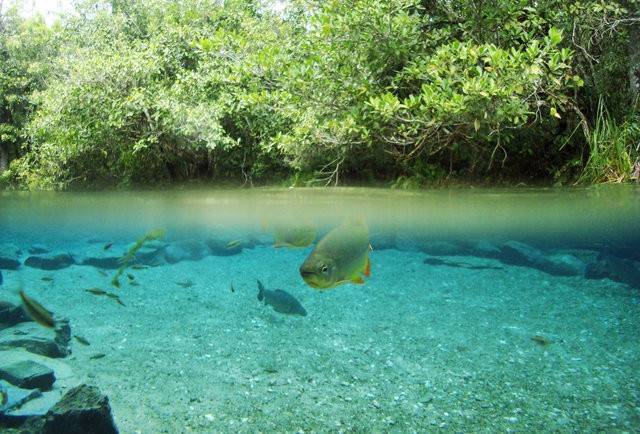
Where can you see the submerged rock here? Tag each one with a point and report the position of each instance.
(220, 247)
(37, 339)
(564, 265)
(185, 250)
(50, 262)
(10, 315)
(9, 263)
(517, 253)
(16, 397)
(28, 374)
(81, 410)
(10, 256)
(40, 403)
(619, 269)
(483, 249)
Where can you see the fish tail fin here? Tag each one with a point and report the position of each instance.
(367, 267)
(260, 291)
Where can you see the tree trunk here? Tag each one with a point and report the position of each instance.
(4, 158)
(634, 59)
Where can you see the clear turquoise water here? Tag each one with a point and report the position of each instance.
(439, 338)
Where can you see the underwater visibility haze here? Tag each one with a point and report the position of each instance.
(329, 310)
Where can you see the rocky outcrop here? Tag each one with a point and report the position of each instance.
(185, 250)
(81, 410)
(50, 262)
(10, 315)
(28, 374)
(38, 340)
(615, 268)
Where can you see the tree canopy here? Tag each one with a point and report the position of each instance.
(138, 92)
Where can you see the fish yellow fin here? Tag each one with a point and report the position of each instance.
(357, 280)
(367, 267)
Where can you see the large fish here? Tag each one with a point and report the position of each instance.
(293, 236)
(281, 301)
(342, 256)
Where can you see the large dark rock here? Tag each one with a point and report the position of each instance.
(50, 262)
(9, 263)
(10, 256)
(108, 262)
(81, 410)
(615, 268)
(37, 339)
(185, 250)
(220, 247)
(28, 374)
(483, 249)
(517, 253)
(10, 315)
(564, 265)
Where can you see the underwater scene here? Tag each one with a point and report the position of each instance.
(328, 310)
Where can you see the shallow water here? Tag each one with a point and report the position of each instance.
(486, 310)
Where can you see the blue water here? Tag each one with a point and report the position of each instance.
(485, 310)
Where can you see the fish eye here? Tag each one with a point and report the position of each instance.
(324, 269)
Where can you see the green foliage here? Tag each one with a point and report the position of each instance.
(137, 92)
(612, 147)
(26, 49)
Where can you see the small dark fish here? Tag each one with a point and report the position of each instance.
(115, 282)
(281, 301)
(36, 311)
(4, 397)
(102, 272)
(1, 277)
(232, 288)
(97, 356)
(139, 266)
(134, 283)
(116, 297)
(107, 246)
(541, 340)
(131, 277)
(96, 291)
(185, 284)
(233, 244)
(47, 279)
(82, 340)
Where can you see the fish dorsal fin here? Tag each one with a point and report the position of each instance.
(367, 267)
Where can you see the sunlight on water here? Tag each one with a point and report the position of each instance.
(473, 310)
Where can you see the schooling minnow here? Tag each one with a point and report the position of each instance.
(82, 340)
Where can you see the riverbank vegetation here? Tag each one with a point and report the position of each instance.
(408, 92)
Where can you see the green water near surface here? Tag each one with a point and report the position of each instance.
(439, 337)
